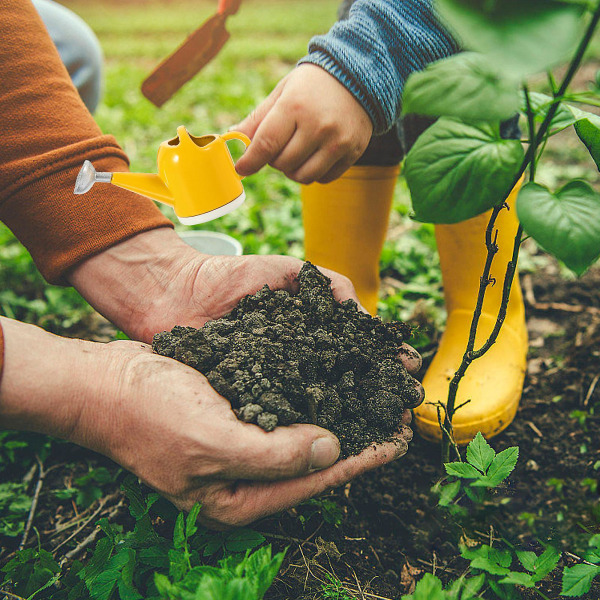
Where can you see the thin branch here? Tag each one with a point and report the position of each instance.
(531, 127)
(11, 595)
(34, 502)
(83, 525)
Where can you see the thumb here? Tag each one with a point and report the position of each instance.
(251, 123)
(284, 453)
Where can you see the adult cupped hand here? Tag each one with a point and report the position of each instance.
(162, 420)
(166, 424)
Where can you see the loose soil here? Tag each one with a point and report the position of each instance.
(303, 358)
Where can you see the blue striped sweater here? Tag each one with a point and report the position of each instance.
(376, 48)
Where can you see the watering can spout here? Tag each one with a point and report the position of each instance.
(145, 184)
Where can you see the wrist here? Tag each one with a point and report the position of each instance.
(46, 381)
(128, 281)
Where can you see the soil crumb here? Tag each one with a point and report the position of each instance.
(281, 359)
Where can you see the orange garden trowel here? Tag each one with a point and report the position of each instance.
(196, 52)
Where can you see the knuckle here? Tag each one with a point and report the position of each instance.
(302, 178)
(265, 146)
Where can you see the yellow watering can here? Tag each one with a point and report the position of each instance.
(196, 176)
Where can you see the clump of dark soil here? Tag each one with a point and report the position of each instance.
(281, 359)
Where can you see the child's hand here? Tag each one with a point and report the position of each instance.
(310, 127)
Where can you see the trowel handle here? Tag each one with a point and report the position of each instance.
(237, 135)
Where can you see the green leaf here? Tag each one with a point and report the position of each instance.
(262, 568)
(464, 86)
(190, 523)
(520, 37)
(448, 493)
(179, 531)
(428, 588)
(516, 578)
(490, 566)
(479, 453)
(546, 563)
(587, 125)
(592, 556)
(527, 559)
(541, 103)
(588, 130)
(577, 580)
(456, 171)
(463, 470)
(240, 540)
(502, 466)
(178, 564)
(472, 586)
(566, 224)
(504, 592)
(485, 558)
(163, 585)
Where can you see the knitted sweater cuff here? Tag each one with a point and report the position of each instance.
(373, 52)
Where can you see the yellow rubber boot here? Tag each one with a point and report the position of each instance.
(345, 223)
(494, 382)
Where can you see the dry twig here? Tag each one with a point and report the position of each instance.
(34, 502)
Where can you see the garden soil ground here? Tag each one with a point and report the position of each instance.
(391, 531)
(388, 530)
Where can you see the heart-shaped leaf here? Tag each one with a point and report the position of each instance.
(456, 171)
(464, 86)
(520, 37)
(565, 224)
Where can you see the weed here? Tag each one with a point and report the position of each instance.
(334, 589)
(141, 563)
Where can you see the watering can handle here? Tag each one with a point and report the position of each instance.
(237, 135)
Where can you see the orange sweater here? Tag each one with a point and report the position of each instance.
(47, 133)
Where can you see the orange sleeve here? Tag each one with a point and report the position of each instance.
(47, 133)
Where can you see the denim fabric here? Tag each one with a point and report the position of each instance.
(78, 47)
(376, 48)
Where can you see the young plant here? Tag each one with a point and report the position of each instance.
(483, 470)
(472, 94)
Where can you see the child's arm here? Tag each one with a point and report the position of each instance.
(319, 119)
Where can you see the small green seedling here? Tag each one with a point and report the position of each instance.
(483, 470)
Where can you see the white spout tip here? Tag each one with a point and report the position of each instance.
(85, 178)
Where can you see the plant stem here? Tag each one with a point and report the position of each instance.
(492, 248)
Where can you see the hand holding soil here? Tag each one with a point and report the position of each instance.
(310, 127)
(283, 358)
(162, 421)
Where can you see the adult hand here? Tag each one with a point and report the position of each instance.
(310, 127)
(162, 421)
(154, 281)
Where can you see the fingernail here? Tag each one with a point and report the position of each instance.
(401, 447)
(234, 127)
(324, 453)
